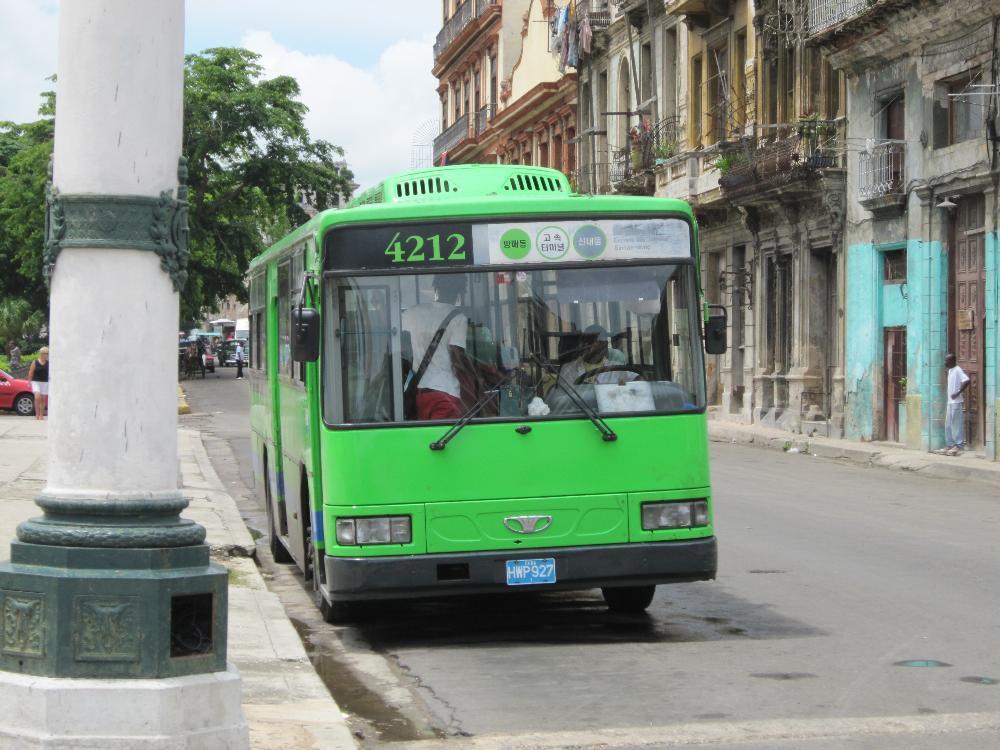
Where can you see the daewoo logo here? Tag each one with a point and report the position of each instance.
(527, 524)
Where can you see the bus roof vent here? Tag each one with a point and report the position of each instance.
(464, 182)
(533, 182)
(425, 186)
(371, 195)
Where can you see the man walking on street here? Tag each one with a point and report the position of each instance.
(954, 422)
(239, 361)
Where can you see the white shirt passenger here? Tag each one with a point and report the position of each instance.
(423, 321)
(956, 378)
(239, 352)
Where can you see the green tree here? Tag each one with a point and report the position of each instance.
(18, 321)
(251, 166)
(25, 151)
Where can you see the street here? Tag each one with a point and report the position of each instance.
(845, 595)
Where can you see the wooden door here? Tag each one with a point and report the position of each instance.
(967, 309)
(895, 376)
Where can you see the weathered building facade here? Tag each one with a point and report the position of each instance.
(922, 216)
(503, 95)
(758, 151)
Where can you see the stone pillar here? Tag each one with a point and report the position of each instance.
(109, 598)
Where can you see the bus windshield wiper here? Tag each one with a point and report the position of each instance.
(472, 411)
(607, 434)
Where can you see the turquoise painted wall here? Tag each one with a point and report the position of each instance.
(927, 335)
(992, 381)
(863, 332)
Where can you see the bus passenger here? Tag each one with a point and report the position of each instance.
(439, 394)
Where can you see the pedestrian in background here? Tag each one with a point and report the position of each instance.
(38, 374)
(15, 355)
(954, 422)
(239, 361)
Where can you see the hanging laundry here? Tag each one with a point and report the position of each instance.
(572, 58)
(586, 36)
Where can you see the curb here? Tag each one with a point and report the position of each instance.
(915, 462)
(182, 404)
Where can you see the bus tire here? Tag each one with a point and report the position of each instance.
(628, 599)
(274, 545)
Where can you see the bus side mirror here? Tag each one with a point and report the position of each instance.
(305, 334)
(715, 331)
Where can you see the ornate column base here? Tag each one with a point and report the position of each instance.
(87, 612)
(177, 713)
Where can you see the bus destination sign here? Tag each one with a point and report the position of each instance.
(439, 245)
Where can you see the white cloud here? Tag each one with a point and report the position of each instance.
(372, 113)
(28, 57)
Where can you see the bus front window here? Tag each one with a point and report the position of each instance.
(426, 347)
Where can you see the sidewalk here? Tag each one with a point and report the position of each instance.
(886, 455)
(284, 701)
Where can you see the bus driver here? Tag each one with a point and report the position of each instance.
(438, 390)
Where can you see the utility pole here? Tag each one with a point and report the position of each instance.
(112, 618)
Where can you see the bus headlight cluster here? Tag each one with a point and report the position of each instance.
(374, 530)
(682, 515)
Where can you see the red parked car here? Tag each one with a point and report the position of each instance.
(16, 394)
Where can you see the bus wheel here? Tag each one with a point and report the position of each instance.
(628, 599)
(277, 549)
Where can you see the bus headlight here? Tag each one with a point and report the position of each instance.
(681, 515)
(374, 530)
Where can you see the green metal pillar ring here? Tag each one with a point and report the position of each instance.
(119, 523)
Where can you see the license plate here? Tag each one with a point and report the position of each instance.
(529, 572)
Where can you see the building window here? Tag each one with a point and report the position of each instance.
(741, 80)
(894, 266)
(646, 71)
(892, 117)
(718, 92)
(696, 107)
(958, 111)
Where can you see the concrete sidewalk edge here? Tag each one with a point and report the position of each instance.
(865, 454)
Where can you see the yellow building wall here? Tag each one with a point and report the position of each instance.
(536, 64)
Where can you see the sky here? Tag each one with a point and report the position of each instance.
(363, 67)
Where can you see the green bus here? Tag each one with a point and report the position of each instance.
(472, 380)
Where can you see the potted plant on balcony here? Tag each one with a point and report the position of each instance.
(664, 151)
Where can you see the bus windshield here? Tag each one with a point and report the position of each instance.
(420, 347)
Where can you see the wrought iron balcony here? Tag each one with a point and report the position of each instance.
(779, 156)
(592, 179)
(822, 14)
(463, 16)
(597, 13)
(881, 173)
(483, 118)
(454, 134)
(648, 145)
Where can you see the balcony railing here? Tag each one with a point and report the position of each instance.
(648, 144)
(881, 170)
(592, 179)
(454, 134)
(597, 13)
(780, 154)
(483, 118)
(462, 17)
(822, 14)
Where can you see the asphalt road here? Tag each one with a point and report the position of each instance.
(854, 607)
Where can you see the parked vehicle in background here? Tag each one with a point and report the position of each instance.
(15, 394)
(228, 356)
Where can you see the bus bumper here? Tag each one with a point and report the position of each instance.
(414, 576)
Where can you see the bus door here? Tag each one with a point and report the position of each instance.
(290, 409)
